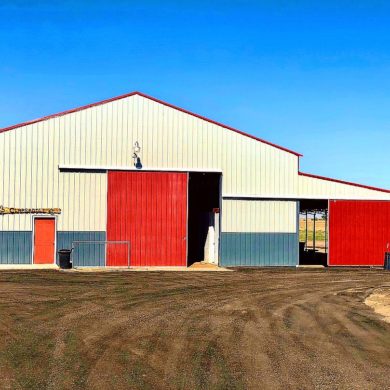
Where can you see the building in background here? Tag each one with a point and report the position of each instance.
(134, 180)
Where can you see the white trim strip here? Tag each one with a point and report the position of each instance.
(260, 196)
(294, 197)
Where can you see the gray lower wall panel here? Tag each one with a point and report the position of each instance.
(15, 247)
(259, 249)
(85, 254)
(237, 249)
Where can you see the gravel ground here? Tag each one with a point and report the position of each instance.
(250, 329)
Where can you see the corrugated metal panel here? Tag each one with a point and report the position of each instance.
(259, 249)
(30, 177)
(259, 233)
(259, 216)
(150, 210)
(358, 232)
(180, 140)
(84, 255)
(311, 187)
(15, 247)
(82, 201)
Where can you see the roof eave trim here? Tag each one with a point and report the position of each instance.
(157, 101)
(344, 182)
(44, 118)
(218, 124)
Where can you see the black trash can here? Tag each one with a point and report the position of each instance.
(64, 258)
(387, 261)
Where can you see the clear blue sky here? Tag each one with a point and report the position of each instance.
(313, 78)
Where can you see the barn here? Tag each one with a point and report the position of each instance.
(135, 181)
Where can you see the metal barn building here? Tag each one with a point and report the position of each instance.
(136, 181)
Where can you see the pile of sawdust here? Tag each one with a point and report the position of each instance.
(203, 265)
(380, 302)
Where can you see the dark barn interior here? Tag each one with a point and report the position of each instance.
(203, 198)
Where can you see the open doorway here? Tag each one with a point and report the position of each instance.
(204, 193)
(313, 232)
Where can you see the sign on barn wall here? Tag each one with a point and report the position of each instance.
(13, 210)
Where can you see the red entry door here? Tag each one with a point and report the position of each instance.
(359, 232)
(148, 209)
(44, 240)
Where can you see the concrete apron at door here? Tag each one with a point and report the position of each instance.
(4, 267)
(200, 268)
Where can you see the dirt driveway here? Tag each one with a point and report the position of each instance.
(262, 329)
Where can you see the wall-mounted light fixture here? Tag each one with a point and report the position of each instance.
(136, 157)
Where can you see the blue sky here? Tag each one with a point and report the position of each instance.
(312, 78)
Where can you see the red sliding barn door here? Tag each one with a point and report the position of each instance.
(358, 232)
(149, 209)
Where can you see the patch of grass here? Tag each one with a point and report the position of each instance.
(28, 356)
(320, 235)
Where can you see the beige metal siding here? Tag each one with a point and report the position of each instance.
(103, 136)
(30, 178)
(172, 139)
(310, 187)
(259, 216)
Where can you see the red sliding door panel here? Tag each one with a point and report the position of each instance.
(358, 232)
(149, 209)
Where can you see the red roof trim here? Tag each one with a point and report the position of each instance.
(343, 182)
(157, 101)
(66, 112)
(219, 124)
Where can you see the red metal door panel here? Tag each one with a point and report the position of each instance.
(149, 209)
(44, 240)
(358, 232)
